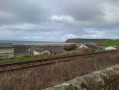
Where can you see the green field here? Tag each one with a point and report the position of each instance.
(78, 40)
(109, 43)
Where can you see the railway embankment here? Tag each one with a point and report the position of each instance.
(40, 74)
(5, 67)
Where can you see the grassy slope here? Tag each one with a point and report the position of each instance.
(100, 42)
(109, 43)
(88, 40)
(23, 58)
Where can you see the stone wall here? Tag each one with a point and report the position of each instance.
(107, 79)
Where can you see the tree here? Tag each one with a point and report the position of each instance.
(70, 47)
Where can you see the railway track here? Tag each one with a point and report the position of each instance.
(7, 67)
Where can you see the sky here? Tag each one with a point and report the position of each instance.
(58, 20)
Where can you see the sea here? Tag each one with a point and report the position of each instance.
(34, 42)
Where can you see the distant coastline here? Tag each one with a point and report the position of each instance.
(33, 42)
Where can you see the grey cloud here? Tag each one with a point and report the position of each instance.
(20, 11)
(48, 19)
(96, 13)
(82, 9)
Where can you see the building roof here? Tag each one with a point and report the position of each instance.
(6, 45)
(21, 46)
(91, 46)
(38, 49)
(54, 49)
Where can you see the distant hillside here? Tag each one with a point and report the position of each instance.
(78, 40)
(109, 43)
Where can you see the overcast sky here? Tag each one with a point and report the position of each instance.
(58, 20)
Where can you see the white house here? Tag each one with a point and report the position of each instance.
(110, 48)
(82, 46)
(88, 46)
(43, 50)
(6, 50)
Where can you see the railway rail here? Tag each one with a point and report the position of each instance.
(40, 62)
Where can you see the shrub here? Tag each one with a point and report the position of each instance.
(70, 47)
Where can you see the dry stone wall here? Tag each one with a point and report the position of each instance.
(107, 79)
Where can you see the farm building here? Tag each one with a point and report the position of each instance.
(43, 50)
(110, 48)
(6, 50)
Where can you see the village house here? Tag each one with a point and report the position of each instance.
(45, 50)
(82, 46)
(6, 50)
(110, 48)
(21, 50)
(87, 46)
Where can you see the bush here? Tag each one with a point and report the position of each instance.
(70, 47)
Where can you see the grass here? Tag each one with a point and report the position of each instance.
(109, 43)
(24, 58)
(87, 40)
